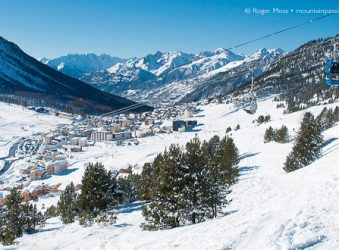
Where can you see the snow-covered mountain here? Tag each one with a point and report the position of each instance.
(232, 76)
(26, 81)
(162, 78)
(76, 65)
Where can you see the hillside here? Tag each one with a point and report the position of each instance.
(298, 76)
(270, 209)
(27, 81)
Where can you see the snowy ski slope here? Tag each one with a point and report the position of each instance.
(270, 209)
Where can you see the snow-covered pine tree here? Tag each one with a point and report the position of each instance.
(51, 212)
(14, 211)
(7, 232)
(229, 159)
(329, 119)
(281, 135)
(128, 187)
(214, 192)
(307, 145)
(165, 208)
(67, 205)
(10, 218)
(321, 118)
(195, 169)
(269, 135)
(336, 114)
(145, 187)
(221, 159)
(31, 218)
(97, 190)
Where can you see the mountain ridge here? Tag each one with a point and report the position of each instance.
(154, 77)
(23, 77)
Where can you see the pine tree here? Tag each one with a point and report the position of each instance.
(10, 218)
(269, 135)
(190, 186)
(213, 178)
(145, 187)
(97, 190)
(329, 119)
(17, 218)
(307, 146)
(229, 159)
(261, 119)
(128, 187)
(7, 232)
(321, 118)
(31, 218)
(267, 118)
(14, 212)
(281, 135)
(51, 212)
(194, 172)
(164, 210)
(336, 114)
(67, 205)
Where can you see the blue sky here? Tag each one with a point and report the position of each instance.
(129, 28)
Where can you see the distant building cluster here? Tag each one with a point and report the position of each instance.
(49, 153)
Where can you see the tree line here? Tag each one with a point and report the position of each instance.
(188, 185)
(309, 140)
(183, 185)
(17, 218)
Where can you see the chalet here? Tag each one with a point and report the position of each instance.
(38, 174)
(128, 170)
(57, 167)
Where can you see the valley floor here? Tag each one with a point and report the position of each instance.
(270, 209)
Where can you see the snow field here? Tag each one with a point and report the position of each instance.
(270, 209)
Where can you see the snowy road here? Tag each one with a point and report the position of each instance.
(7, 160)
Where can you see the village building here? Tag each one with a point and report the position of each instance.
(57, 167)
(71, 148)
(184, 125)
(124, 135)
(38, 173)
(115, 128)
(101, 134)
(81, 141)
